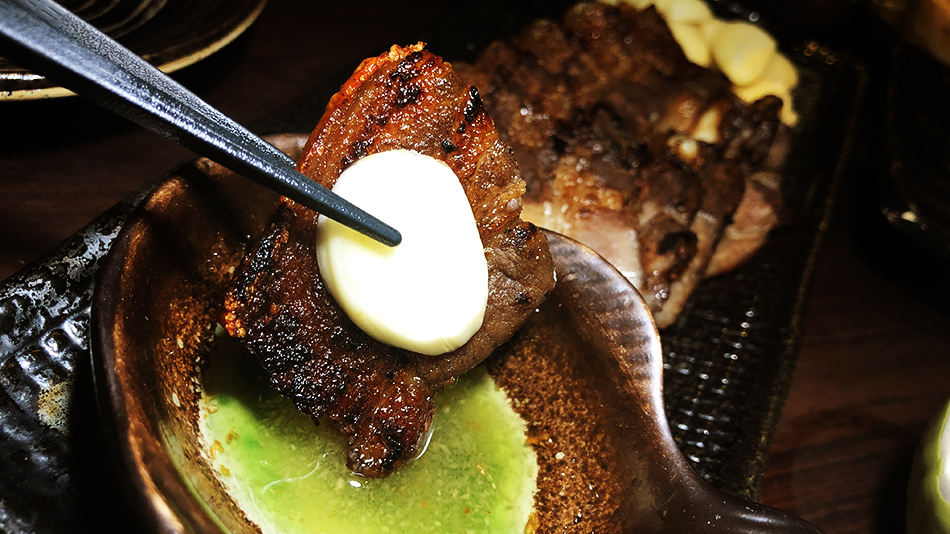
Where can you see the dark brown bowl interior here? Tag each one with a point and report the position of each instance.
(586, 372)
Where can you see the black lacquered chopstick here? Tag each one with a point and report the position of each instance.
(47, 38)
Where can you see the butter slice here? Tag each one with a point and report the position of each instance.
(778, 78)
(691, 40)
(742, 51)
(686, 11)
(427, 295)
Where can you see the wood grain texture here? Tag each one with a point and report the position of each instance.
(873, 369)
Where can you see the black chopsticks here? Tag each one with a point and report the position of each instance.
(47, 38)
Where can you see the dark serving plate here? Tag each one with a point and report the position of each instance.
(727, 361)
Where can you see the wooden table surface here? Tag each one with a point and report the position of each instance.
(874, 364)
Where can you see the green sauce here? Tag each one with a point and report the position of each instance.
(477, 474)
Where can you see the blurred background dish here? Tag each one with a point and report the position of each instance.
(914, 189)
(170, 34)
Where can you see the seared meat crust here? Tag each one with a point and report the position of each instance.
(378, 395)
(630, 148)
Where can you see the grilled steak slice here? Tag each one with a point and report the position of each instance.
(378, 395)
(631, 149)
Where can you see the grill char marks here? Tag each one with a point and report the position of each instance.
(380, 396)
(629, 147)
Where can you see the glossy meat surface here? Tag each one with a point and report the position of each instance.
(631, 149)
(380, 396)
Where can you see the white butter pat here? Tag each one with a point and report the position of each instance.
(686, 11)
(692, 42)
(778, 78)
(427, 295)
(742, 51)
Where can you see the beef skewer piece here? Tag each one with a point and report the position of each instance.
(381, 397)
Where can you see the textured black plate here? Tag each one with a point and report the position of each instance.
(728, 359)
(170, 34)
(730, 356)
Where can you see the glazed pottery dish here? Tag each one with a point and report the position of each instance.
(583, 375)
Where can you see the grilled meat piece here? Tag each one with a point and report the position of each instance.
(378, 395)
(632, 149)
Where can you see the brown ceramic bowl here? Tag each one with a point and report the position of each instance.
(585, 371)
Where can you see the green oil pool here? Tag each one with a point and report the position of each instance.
(477, 474)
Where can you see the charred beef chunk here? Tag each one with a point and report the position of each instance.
(633, 150)
(380, 396)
